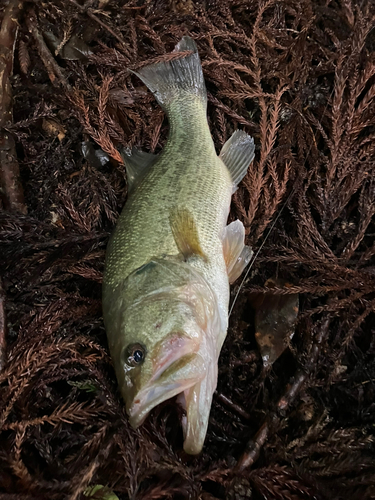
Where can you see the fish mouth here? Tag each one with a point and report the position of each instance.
(151, 396)
(171, 376)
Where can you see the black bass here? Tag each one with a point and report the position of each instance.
(171, 257)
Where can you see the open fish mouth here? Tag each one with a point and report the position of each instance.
(152, 395)
(174, 372)
(176, 368)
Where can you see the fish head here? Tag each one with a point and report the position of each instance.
(162, 355)
(164, 344)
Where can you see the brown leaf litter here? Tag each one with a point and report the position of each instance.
(300, 77)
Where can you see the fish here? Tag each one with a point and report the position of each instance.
(172, 256)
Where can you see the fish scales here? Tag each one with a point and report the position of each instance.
(171, 257)
(188, 173)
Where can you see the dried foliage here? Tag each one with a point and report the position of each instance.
(300, 77)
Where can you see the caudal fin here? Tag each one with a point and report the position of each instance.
(177, 77)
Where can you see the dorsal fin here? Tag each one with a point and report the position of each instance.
(137, 164)
(237, 154)
(185, 233)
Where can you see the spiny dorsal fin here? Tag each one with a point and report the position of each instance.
(185, 233)
(137, 164)
(236, 254)
(167, 80)
(237, 154)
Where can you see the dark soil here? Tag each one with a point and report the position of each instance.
(298, 75)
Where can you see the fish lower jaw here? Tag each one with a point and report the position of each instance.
(193, 447)
(148, 398)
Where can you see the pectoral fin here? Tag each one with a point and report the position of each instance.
(236, 254)
(237, 154)
(185, 233)
(137, 164)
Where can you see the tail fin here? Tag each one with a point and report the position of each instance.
(168, 80)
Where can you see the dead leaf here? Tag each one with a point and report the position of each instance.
(53, 128)
(275, 318)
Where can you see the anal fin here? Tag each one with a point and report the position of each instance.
(185, 233)
(236, 254)
(237, 154)
(137, 164)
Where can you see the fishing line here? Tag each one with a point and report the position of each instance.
(279, 214)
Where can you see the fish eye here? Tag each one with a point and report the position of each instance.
(135, 354)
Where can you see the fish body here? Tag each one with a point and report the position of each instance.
(171, 256)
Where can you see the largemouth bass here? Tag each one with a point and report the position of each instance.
(171, 257)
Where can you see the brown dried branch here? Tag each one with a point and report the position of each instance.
(10, 184)
(101, 134)
(3, 336)
(171, 56)
(24, 57)
(234, 406)
(55, 73)
(254, 447)
(104, 25)
(68, 413)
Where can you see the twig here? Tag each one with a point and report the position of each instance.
(234, 406)
(254, 446)
(90, 13)
(53, 69)
(3, 343)
(10, 185)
